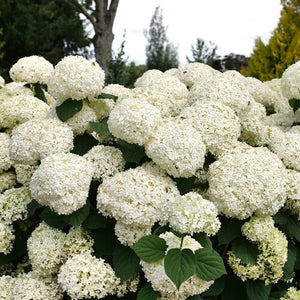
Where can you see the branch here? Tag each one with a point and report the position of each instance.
(74, 4)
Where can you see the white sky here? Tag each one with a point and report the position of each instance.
(231, 24)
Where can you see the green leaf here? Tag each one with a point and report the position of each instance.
(104, 241)
(288, 269)
(294, 103)
(83, 143)
(234, 289)
(52, 219)
(288, 223)
(203, 239)
(230, 229)
(257, 290)
(281, 218)
(77, 217)
(39, 93)
(297, 263)
(185, 185)
(107, 96)
(32, 207)
(216, 288)
(101, 127)
(68, 109)
(94, 221)
(209, 264)
(245, 250)
(131, 152)
(294, 227)
(126, 263)
(150, 248)
(147, 293)
(179, 265)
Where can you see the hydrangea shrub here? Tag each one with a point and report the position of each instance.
(184, 187)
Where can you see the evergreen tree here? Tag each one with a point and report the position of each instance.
(40, 27)
(160, 53)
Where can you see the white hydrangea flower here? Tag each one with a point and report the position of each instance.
(291, 294)
(7, 180)
(155, 272)
(225, 89)
(130, 285)
(149, 77)
(293, 192)
(248, 181)
(191, 214)
(80, 121)
(106, 160)
(77, 78)
(133, 120)
(5, 161)
(177, 147)
(287, 146)
(85, 276)
(217, 123)
(7, 238)
(130, 234)
(29, 286)
(45, 250)
(19, 109)
(13, 204)
(192, 73)
(15, 89)
(38, 138)
(31, 69)
(24, 173)
(62, 182)
(290, 81)
(272, 244)
(135, 197)
(172, 72)
(295, 129)
(2, 82)
(6, 285)
(282, 120)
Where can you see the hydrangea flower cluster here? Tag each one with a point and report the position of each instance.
(290, 81)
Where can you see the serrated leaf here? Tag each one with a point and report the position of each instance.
(77, 217)
(107, 96)
(39, 93)
(257, 290)
(150, 248)
(126, 262)
(147, 293)
(230, 229)
(209, 264)
(179, 265)
(101, 127)
(203, 239)
(295, 104)
(245, 250)
(68, 109)
(94, 221)
(52, 219)
(32, 207)
(288, 269)
(216, 288)
(132, 153)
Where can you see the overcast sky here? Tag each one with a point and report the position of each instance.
(231, 24)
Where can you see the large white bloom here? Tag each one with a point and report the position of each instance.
(7, 180)
(177, 147)
(6, 239)
(38, 138)
(31, 69)
(290, 81)
(248, 181)
(77, 78)
(293, 192)
(155, 272)
(136, 196)
(5, 161)
(62, 182)
(133, 120)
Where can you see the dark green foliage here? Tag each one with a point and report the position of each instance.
(68, 109)
(147, 293)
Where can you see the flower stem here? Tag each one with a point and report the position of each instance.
(181, 242)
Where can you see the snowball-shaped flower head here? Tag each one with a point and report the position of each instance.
(177, 147)
(155, 272)
(293, 192)
(217, 123)
(7, 180)
(31, 69)
(45, 247)
(5, 161)
(272, 245)
(37, 139)
(6, 284)
(290, 81)
(62, 182)
(191, 213)
(2, 82)
(6, 238)
(291, 294)
(248, 181)
(30, 286)
(133, 120)
(85, 276)
(19, 109)
(149, 77)
(77, 78)
(107, 161)
(24, 173)
(136, 196)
